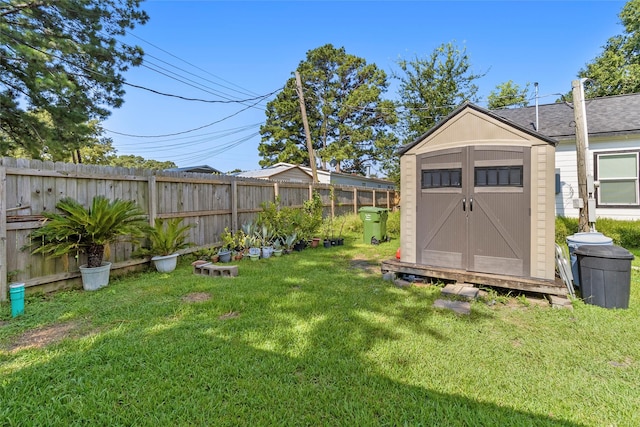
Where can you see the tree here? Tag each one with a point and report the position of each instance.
(60, 60)
(132, 161)
(349, 120)
(432, 87)
(508, 94)
(616, 70)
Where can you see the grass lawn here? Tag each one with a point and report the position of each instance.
(312, 338)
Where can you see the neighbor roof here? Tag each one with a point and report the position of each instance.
(196, 169)
(270, 171)
(606, 116)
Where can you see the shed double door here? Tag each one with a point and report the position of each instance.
(473, 210)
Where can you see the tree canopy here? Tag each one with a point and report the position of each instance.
(508, 94)
(616, 70)
(350, 123)
(432, 87)
(60, 62)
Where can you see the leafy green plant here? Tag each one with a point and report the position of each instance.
(227, 238)
(91, 230)
(565, 227)
(264, 235)
(168, 237)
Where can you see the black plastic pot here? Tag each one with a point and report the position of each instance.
(327, 243)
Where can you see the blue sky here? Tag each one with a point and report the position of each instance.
(243, 49)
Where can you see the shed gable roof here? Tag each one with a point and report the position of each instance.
(465, 124)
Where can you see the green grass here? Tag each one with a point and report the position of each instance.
(309, 340)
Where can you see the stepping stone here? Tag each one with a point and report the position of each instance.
(401, 283)
(560, 302)
(460, 290)
(460, 307)
(213, 270)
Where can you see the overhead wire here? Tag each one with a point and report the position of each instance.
(154, 146)
(244, 90)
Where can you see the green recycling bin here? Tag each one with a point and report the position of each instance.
(375, 223)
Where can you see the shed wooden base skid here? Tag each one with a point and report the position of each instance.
(461, 276)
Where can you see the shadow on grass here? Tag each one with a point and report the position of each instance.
(212, 381)
(297, 354)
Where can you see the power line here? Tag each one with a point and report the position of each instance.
(183, 132)
(260, 98)
(248, 92)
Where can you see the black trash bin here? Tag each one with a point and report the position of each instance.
(605, 275)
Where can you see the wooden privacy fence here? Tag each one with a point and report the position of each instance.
(209, 202)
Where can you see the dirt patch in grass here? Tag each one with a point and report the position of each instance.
(359, 262)
(41, 337)
(196, 297)
(229, 315)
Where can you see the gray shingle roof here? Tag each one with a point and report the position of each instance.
(607, 116)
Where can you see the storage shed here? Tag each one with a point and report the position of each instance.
(478, 203)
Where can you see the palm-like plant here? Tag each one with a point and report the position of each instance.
(78, 228)
(168, 237)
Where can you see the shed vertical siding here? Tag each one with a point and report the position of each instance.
(542, 213)
(408, 204)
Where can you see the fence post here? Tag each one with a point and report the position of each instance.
(234, 205)
(332, 198)
(374, 198)
(388, 201)
(3, 233)
(355, 201)
(153, 199)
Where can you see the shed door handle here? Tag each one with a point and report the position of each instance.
(471, 204)
(464, 204)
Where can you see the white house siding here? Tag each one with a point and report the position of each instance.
(566, 164)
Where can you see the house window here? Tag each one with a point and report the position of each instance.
(500, 176)
(442, 178)
(618, 176)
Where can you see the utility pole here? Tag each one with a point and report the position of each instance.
(303, 110)
(586, 189)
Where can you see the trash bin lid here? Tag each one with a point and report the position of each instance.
(601, 251)
(372, 209)
(589, 238)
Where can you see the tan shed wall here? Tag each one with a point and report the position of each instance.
(471, 128)
(408, 203)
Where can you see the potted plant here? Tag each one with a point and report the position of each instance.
(265, 237)
(228, 242)
(92, 230)
(327, 229)
(277, 248)
(166, 239)
(340, 240)
(289, 241)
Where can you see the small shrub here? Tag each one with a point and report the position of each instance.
(565, 227)
(393, 223)
(352, 223)
(625, 233)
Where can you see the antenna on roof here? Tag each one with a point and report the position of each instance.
(535, 85)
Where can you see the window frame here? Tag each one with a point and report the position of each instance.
(519, 168)
(636, 179)
(440, 170)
